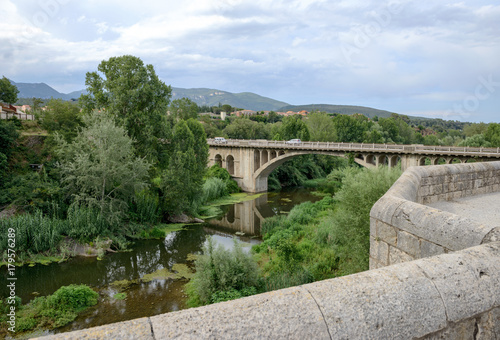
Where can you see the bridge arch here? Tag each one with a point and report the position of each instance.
(218, 160)
(230, 164)
(261, 174)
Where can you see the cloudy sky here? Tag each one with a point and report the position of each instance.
(428, 58)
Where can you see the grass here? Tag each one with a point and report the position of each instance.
(120, 296)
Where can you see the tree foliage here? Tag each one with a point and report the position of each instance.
(133, 94)
(183, 108)
(244, 128)
(63, 117)
(349, 129)
(8, 91)
(321, 127)
(182, 181)
(99, 168)
(293, 127)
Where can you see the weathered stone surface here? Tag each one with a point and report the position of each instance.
(428, 249)
(288, 313)
(467, 281)
(396, 302)
(446, 229)
(133, 329)
(409, 244)
(398, 256)
(379, 250)
(386, 232)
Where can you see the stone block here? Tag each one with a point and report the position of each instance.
(133, 329)
(467, 281)
(379, 250)
(285, 313)
(395, 302)
(436, 189)
(397, 256)
(463, 330)
(409, 244)
(386, 233)
(428, 249)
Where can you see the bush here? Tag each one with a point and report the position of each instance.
(216, 171)
(214, 188)
(347, 230)
(220, 270)
(145, 207)
(55, 310)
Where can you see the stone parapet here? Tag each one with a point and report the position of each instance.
(451, 296)
(402, 228)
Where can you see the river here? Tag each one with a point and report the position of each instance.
(122, 271)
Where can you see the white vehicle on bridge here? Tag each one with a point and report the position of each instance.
(294, 141)
(220, 140)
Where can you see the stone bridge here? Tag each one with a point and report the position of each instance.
(251, 161)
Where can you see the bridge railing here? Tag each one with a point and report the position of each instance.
(414, 148)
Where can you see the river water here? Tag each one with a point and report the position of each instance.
(122, 272)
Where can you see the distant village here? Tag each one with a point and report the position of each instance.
(21, 112)
(248, 113)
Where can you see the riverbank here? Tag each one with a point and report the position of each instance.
(125, 274)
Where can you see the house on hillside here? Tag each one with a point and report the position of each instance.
(23, 108)
(242, 113)
(9, 111)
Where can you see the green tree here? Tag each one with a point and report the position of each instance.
(390, 129)
(99, 167)
(321, 127)
(349, 129)
(227, 108)
(62, 117)
(475, 141)
(492, 134)
(36, 104)
(8, 137)
(8, 91)
(200, 146)
(294, 127)
(475, 129)
(133, 94)
(431, 140)
(244, 128)
(182, 181)
(183, 108)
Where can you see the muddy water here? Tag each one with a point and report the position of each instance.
(241, 220)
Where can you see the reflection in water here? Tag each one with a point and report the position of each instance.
(246, 217)
(148, 256)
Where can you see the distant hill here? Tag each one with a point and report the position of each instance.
(44, 91)
(244, 100)
(200, 96)
(343, 109)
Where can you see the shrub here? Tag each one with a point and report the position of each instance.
(220, 270)
(55, 310)
(145, 207)
(214, 188)
(348, 227)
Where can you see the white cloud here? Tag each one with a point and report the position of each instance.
(428, 53)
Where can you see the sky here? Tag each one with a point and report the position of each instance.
(438, 59)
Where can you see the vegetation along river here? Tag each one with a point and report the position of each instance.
(149, 279)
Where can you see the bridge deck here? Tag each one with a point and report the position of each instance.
(482, 208)
(360, 147)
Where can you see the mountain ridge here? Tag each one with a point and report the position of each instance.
(212, 97)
